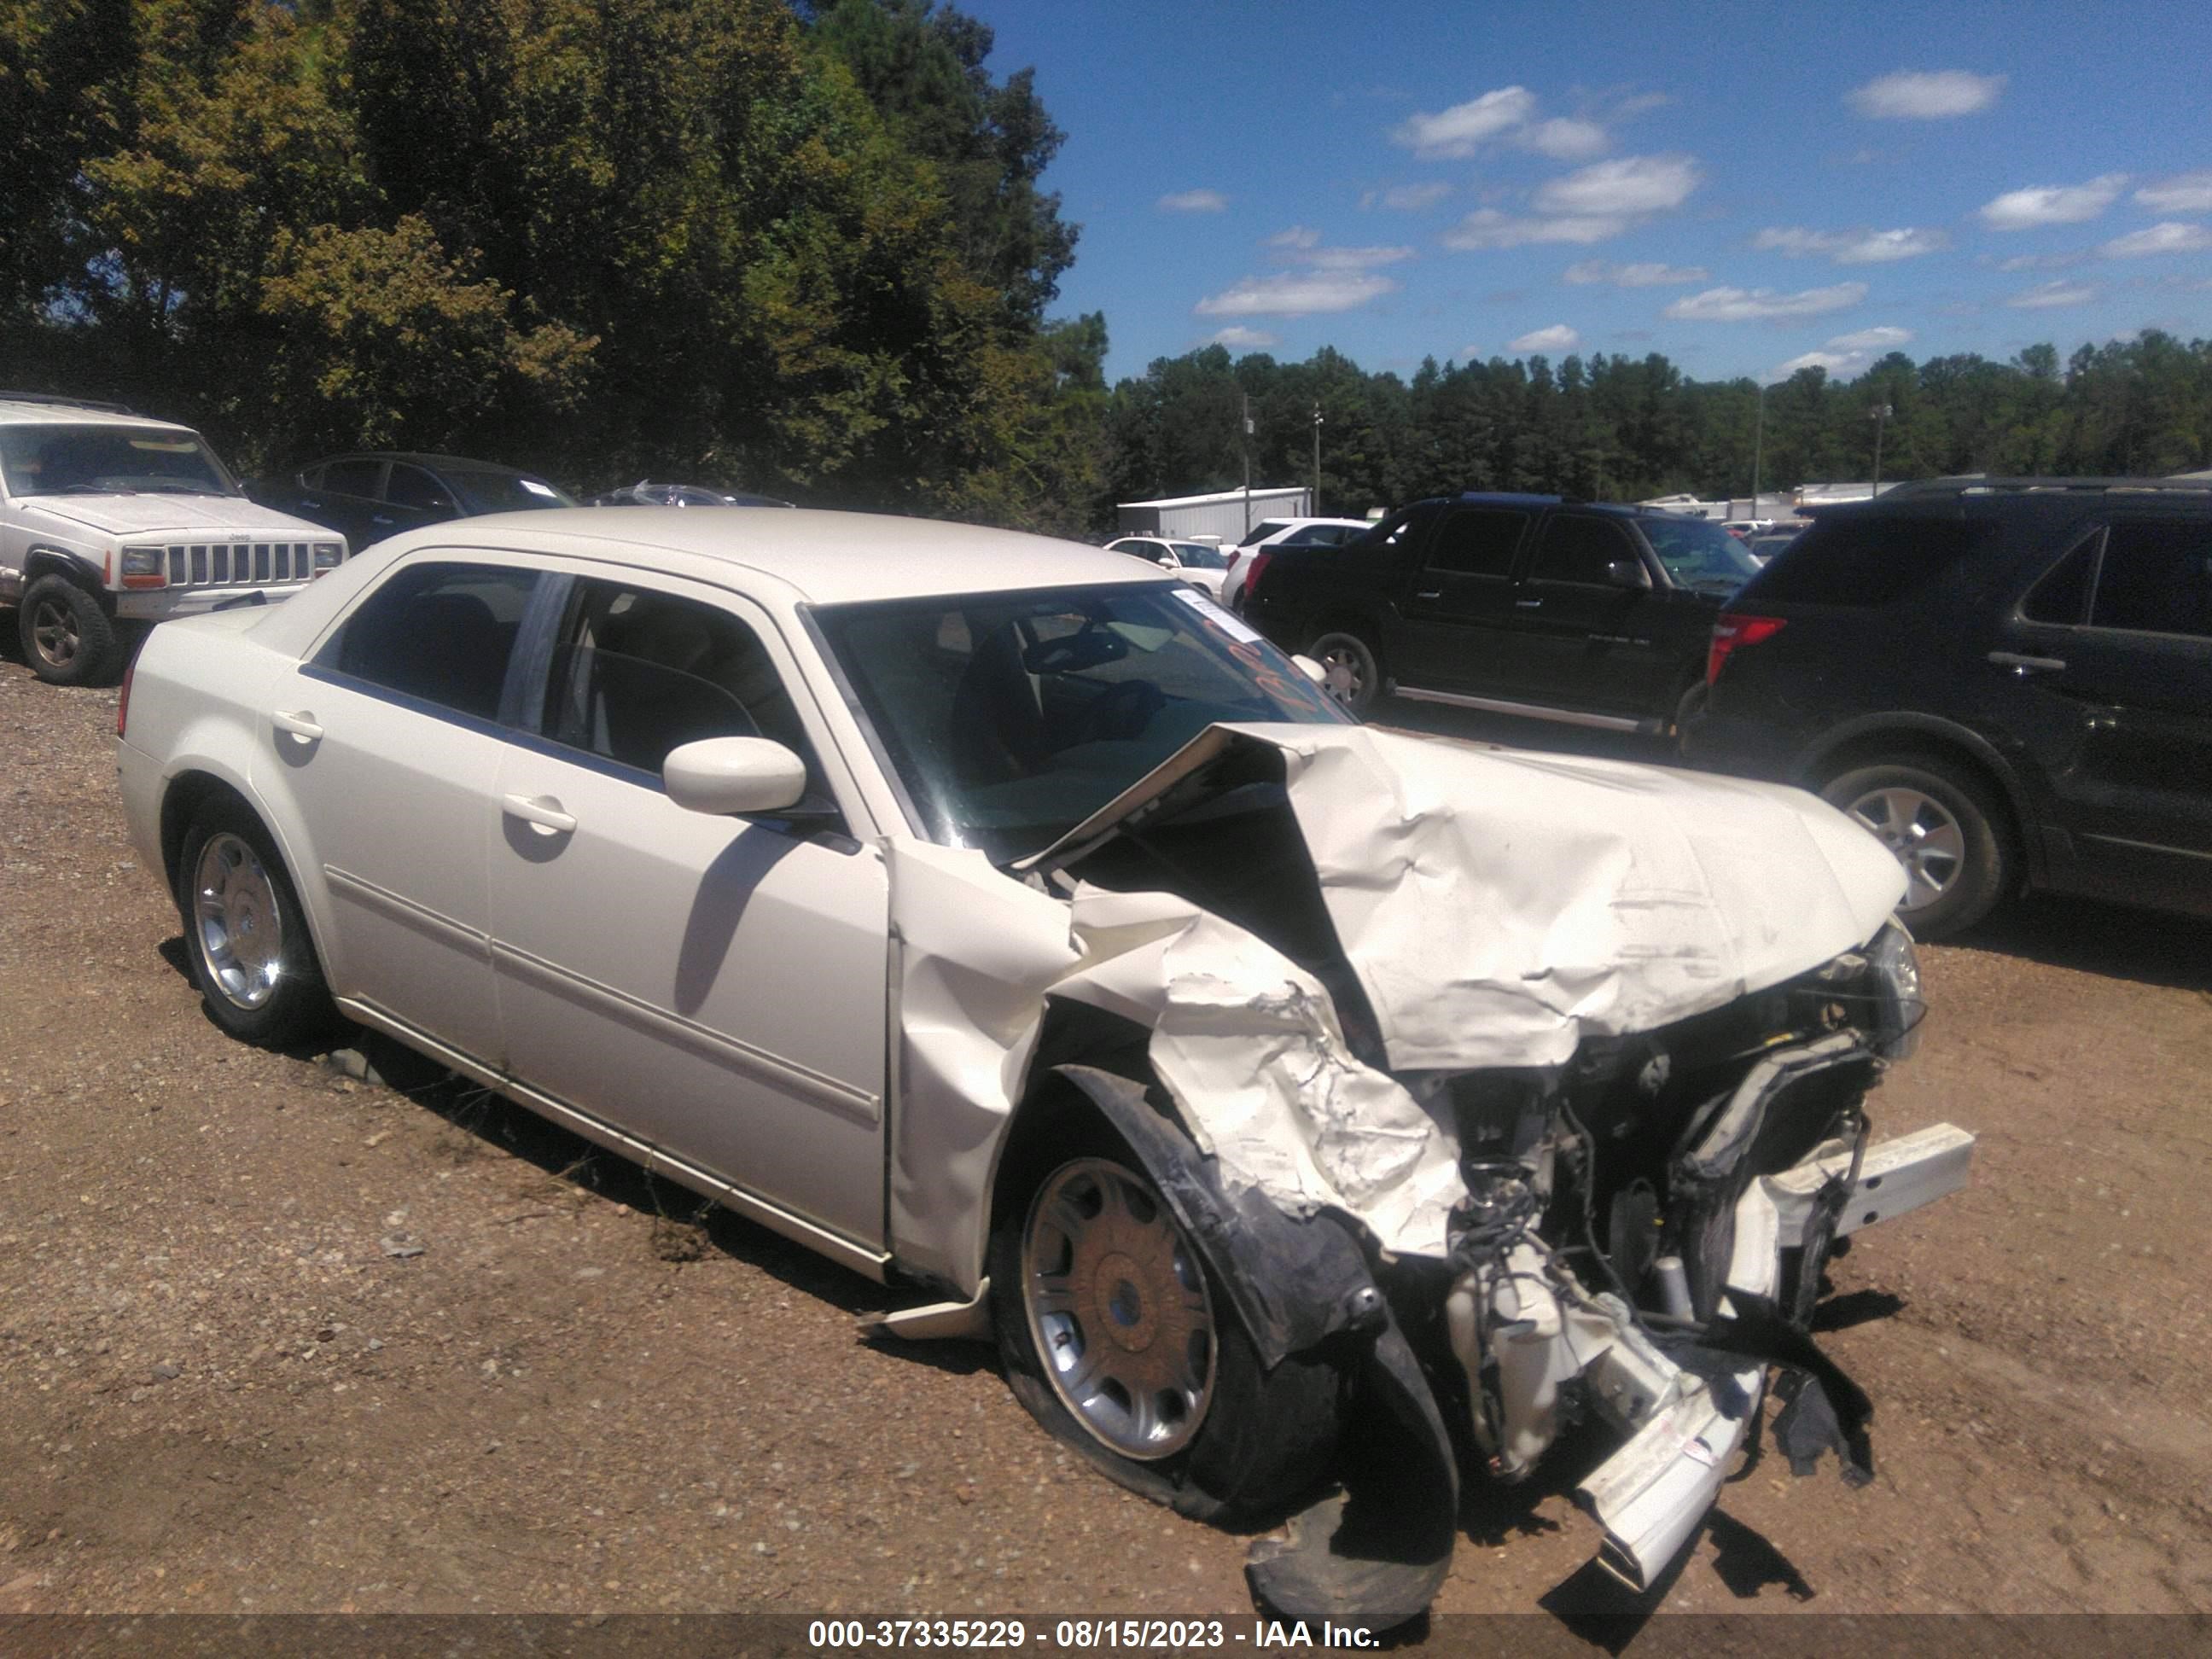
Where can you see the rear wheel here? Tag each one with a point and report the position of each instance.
(244, 933)
(1119, 1341)
(1352, 677)
(67, 638)
(1942, 828)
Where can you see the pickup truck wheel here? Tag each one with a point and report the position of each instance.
(1115, 1335)
(1354, 676)
(246, 935)
(68, 640)
(1943, 829)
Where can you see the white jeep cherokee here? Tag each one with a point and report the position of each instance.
(110, 522)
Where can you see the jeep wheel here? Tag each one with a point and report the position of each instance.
(1942, 828)
(1352, 677)
(68, 640)
(246, 935)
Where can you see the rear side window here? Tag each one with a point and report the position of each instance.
(352, 478)
(2062, 596)
(1869, 561)
(1578, 549)
(439, 632)
(2156, 578)
(1477, 541)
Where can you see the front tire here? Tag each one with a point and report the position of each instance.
(1353, 674)
(1121, 1342)
(1942, 828)
(67, 638)
(246, 935)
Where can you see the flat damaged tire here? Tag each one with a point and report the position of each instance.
(245, 933)
(1115, 1335)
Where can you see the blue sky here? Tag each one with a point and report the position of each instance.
(1742, 187)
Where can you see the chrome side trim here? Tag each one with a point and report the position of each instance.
(828, 1093)
(874, 1264)
(1534, 711)
(2144, 846)
(408, 913)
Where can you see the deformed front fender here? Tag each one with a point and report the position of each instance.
(1375, 1551)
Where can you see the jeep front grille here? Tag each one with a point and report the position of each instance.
(240, 564)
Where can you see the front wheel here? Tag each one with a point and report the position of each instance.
(244, 933)
(1352, 677)
(1942, 828)
(1119, 1341)
(67, 638)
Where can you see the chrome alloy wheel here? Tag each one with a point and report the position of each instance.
(1344, 668)
(55, 632)
(237, 926)
(1118, 1308)
(1920, 832)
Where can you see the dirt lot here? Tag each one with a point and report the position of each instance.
(220, 1389)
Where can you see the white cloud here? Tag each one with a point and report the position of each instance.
(2053, 294)
(2052, 205)
(1244, 338)
(1454, 133)
(1838, 364)
(1638, 276)
(1295, 294)
(1851, 247)
(1739, 305)
(1468, 353)
(1628, 185)
(1352, 258)
(1193, 201)
(1298, 236)
(1488, 228)
(1925, 96)
(2187, 192)
(1883, 338)
(2040, 261)
(2170, 237)
(1557, 337)
(1408, 198)
(1565, 140)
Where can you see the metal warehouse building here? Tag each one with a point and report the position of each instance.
(1228, 514)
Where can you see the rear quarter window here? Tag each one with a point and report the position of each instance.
(1874, 561)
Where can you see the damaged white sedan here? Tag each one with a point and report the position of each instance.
(1316, 1116)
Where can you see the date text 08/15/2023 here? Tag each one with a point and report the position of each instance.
(1088, 1634)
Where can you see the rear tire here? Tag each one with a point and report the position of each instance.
(67, 638)
(1256, 1439)
(1942, 827)
(1354, 674)
(246, 935)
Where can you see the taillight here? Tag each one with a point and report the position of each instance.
(1259, 570)
(1733, 631)
(123, 702)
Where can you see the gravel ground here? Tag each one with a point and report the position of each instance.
(228, 1380)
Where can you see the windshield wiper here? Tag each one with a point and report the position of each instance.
(184, 489)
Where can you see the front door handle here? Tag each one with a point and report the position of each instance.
(1433, 593)
(2020, 664)
(543, 810)
(1526, 605)
(302, 725)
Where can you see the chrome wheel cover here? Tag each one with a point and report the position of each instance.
(1118, 1308)
(237, 926)
(1344, 665)
(55, 632)
(1921, 833)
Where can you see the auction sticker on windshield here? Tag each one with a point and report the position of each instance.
(1225, 621)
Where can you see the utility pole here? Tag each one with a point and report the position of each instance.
(1244, 443)
(1315, 507)
(1758, 446)
(1879, 413)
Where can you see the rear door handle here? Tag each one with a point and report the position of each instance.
(1433, 593)
(543, 810)
(302, 725)
(2020, 664)
(1526, 605)
(378, 518)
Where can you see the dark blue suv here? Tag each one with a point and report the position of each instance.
(1532, 605)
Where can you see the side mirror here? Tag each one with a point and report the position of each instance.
(1312, 670)
(1166, 559)
(1628, 572)
(721, 775)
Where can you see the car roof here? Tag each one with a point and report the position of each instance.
(15, 412)
(423, 458)
(818, 558)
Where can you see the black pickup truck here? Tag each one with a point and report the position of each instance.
(1520, 604)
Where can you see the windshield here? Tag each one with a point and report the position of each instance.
(503, 492)
(1698, 554)
(65, 460)
(1199, 556)
(1012, 717)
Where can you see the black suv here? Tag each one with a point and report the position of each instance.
(1520, 605)
(2010, 681)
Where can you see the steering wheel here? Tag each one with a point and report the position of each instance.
(1121, 710)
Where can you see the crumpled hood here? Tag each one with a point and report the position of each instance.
(1498, 905)
(177, 518)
